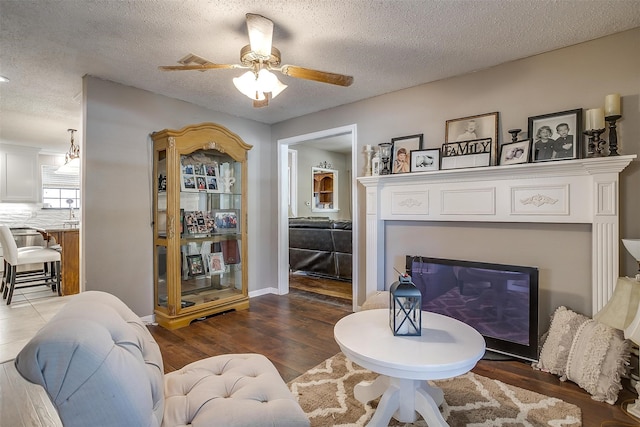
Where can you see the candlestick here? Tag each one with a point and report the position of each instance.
(613, 135)
(612, 105)
(514, 134)
(368, 151)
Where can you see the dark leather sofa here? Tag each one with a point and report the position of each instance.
(321, 246)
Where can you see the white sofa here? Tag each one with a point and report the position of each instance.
(100, 366)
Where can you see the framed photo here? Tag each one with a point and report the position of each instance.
(472, 128)
(226, 221)
(556, 136)
(215, 263)
(195, 266)
(400, 152)
(515, 152)
(162, 183)
(425, 160)
(198, 174)
(188, 183)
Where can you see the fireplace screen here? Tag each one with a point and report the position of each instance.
(499, 301)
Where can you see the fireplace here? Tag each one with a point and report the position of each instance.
(499, 301)
(580, 192)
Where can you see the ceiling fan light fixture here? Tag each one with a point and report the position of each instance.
(254, 87)
(247, 85)
(278, 88)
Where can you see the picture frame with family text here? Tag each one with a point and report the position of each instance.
(471, 128)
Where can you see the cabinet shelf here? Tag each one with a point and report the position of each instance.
(200, 264)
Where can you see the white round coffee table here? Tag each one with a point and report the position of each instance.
(447, 348)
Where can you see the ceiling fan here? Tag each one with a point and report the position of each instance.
(260, 57)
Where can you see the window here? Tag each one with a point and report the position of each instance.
(59, 188)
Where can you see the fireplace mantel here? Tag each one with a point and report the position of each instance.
(568, 191)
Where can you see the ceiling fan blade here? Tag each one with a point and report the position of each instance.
(201, 67)
(315, 75)
(260, 34)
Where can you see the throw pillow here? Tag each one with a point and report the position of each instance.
(597, 359)
(378, 300)
(555, 350)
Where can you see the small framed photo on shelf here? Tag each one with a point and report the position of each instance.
(188, 183)
(425, 160)
(400, 152)
(162, 183)
(195, 265)
(556, 136)
(513, 153)
(226, 222)
(215, 263)
(201, 183)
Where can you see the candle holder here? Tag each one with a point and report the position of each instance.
(514, 134)
(368, 154)
(596, 145)
(613, 134)
(385, 155)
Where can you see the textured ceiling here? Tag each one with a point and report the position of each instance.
(47, 46)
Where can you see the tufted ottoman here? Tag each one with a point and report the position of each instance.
(231, 390)
(100, 366)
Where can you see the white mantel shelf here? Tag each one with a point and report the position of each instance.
(568, 191)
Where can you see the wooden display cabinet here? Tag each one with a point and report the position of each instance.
(200, 223)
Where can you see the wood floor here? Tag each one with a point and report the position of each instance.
(296, 333)
(321, 285)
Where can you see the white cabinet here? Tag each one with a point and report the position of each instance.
(19, 177)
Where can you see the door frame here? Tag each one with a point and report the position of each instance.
(283, 209)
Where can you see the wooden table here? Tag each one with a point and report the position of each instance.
(447, 348)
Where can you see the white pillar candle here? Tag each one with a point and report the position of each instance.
(597, 121)
(587, 116)
(612, 105)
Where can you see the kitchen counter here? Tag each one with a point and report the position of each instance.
(68, 240)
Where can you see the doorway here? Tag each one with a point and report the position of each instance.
(284, 145)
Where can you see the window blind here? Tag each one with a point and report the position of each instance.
(51, 179)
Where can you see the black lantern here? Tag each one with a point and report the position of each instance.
(405, 308)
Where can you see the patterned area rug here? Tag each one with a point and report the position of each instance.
(326, 395)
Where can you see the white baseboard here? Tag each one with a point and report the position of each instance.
(263, 291)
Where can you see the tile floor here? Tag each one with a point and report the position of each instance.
(30, 309)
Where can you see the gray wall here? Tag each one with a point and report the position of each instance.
(309, 156)
(579, 76)
(116, 231)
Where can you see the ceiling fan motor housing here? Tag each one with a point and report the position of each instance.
(248, 57)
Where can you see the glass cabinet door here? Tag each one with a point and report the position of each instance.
(160, 238)
(211, 239)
